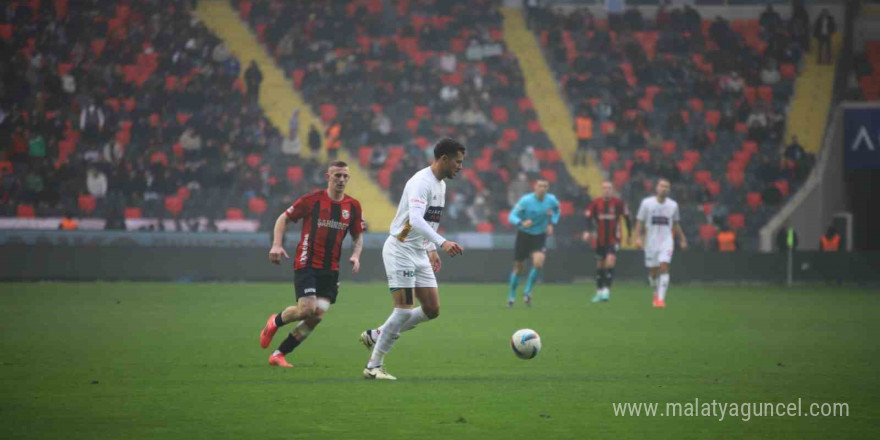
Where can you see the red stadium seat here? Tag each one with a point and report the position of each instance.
(412, 124)
(609, 156)
(750, 146)
(294, 174)
(696, 104)
(751, 94)
(534, 126)
(707, 208)
(736, 221)
(254, 160)
(183, 192)
(364, 154)
(328, 113)
(510, 134)
(765, 93)
(783, 187)
(173, 205)
(668, 147)
(787, 70)
(708, 232)
(499, 114)
(6, 166)
(607, 127)
(741, 127)
(86, 203)
(686, 167)
(257, 205)
(384, 177)
(692, 156)
(566, 208)
(549, 174)
(714, 187)
(234, 214)
(713, 117)
(643, 154)
(485, 227)
(422, 112)
(620, 177)
(736, 178)
(502, 217)
(132, 212)
(25, 211)
(702, 177)
(754, 200)
(525, 104)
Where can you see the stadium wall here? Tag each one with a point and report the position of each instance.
(58, 255)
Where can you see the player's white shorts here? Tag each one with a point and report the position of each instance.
(406, 267)
(660, 254)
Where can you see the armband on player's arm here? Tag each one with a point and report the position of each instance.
(417, 221)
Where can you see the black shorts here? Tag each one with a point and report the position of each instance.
(604, 251)
(323, 283)
(527, 244)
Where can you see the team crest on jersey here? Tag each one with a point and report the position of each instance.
(345, 214)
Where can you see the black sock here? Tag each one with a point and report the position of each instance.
(609, 276)
(289, 344)
(600, 278)
(278, 321)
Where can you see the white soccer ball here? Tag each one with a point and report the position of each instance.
(525, 343)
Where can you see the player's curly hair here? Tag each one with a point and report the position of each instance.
(448, 147)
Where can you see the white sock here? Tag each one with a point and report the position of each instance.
(416, 316)
(663, 284)
(277, 352)
(389, 334)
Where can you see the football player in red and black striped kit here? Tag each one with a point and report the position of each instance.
(328, 216)
(603, 217)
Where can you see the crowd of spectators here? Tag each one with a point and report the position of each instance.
(394, 78)
(699, 101)
(132, 108)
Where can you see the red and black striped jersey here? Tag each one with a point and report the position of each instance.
(325, 225)
(607, 214)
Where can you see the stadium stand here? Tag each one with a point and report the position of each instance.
(133, 109)
(700, 102)
(433, 69)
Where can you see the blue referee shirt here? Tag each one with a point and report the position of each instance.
(540, 212)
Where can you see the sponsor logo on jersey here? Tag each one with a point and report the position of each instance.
(332, 224)
(433, 213)
(659, 220)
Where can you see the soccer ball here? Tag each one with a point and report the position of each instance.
(525, 343)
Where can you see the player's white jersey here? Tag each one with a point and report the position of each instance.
(424, 196)
(658, 219)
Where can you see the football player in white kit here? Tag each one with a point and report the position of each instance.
(410, 254)
(659, 217)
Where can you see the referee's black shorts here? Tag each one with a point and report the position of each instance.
(527, 244)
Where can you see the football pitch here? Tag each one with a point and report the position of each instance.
(182, 361)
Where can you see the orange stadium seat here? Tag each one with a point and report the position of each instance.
(485, 227)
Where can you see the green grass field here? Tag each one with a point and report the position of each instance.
(181, 361)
